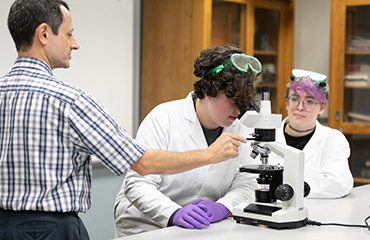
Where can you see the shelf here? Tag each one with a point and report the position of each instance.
(358, 52)
(358, 87)
(359, 128)
(361, 180)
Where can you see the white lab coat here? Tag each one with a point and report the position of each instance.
(146, 203)
(326, 162)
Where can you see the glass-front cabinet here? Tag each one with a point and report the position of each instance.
(266, 49)
(349, 80)
(260, 29)
(174, 32)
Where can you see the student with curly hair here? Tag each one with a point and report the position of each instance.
(205, 195)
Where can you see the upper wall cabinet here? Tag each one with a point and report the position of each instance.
(175, 32)
(349, 105)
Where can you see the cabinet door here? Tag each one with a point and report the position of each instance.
(266, 49)
(261, 29)
(349, 77)
(166, 60)
(349, 80)
(228, 23)
(360, 157)
(356, 97)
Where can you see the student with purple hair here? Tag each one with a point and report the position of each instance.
(326, 150)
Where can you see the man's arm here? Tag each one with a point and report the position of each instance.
(164, 163)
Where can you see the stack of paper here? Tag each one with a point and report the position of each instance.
(357, 75)
(356, 79)
(358, 43)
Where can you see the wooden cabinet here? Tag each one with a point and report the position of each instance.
(175, 31)
(349, 80)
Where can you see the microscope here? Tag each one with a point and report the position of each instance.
(279, 200)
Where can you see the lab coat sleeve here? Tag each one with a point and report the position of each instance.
(243, 185)
(142, 191)
(333, 179)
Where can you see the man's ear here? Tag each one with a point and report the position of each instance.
(42, 33)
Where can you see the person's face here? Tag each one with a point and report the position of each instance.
(301, 118)
(60, 46)
(222, 111)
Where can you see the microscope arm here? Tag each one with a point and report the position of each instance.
(293, 170)
(281, 149)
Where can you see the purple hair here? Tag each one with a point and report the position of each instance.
(305, 84)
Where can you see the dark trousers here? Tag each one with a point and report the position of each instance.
(32, 225)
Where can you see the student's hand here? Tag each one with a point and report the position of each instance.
(225, 147)
(191, 216)
(215, 211)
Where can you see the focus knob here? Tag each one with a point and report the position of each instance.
(284, 192)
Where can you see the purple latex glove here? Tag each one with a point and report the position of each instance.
(216, 211)
(191, 216)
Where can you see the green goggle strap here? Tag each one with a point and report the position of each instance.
(217, 69)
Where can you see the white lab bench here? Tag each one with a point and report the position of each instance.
(352, 209)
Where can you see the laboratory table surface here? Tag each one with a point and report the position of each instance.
(352, 209)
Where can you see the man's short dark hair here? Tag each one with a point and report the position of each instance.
(26, 15)
(235, 85)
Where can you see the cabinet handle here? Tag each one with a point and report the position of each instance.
(337, 115)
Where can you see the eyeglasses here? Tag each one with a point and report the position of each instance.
(318, 79)
(308, 103)
(239, 62)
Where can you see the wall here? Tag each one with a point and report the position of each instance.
(312, 37)
(104, 67)
(99, 219)
(104, 64)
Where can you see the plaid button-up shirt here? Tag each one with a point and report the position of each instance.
(48, 132)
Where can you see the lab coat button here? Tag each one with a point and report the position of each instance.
(210, 168)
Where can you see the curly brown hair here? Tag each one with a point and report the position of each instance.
(233, 83)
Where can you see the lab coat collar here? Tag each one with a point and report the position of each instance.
(312, 145)
(196, 132)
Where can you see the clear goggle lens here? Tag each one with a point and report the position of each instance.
(317, 79)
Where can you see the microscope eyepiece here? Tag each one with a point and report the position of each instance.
(265, 93)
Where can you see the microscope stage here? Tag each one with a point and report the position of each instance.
(262, 168)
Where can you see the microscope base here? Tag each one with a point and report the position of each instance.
(276, 225)
(271, 215)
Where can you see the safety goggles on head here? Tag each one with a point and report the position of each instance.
(240, 62)
(318, 79)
